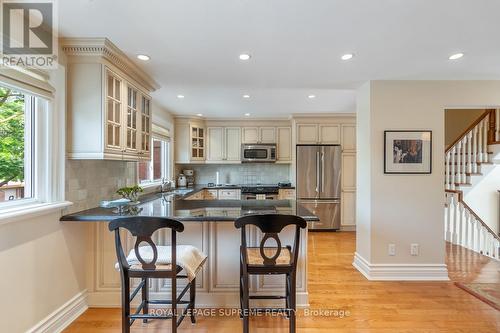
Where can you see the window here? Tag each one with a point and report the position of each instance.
(17, 124)
(154, 170)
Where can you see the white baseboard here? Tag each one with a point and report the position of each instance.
(348, 228)
(400, 272)
(112, 299)
(58, 320)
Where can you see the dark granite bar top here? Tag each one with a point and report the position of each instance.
(174, 205)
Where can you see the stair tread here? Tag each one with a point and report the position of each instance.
(467, 173)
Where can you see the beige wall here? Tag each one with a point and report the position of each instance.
(164, 118)
(456, 121)
(43, 267)
(364, 155)
(405, 209)
(42, 259)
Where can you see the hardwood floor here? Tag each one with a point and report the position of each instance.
(371, 307)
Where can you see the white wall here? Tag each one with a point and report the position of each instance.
(164, 118)
(42, 259)
(363, 166)
(405, 209)
(456, 121)
(483, 198)
(43, 267)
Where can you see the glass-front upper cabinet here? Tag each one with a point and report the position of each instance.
(197, 143)
(132, 118)
(146, 126)
(113, 111)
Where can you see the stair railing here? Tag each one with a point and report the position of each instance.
(463, 227)
(464, 156)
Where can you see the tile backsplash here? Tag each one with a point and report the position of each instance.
(90, 181)
(253, 173)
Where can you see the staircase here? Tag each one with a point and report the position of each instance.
(468, 159)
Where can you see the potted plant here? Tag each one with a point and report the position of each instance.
(131, 193)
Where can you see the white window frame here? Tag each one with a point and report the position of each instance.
(47, 162)
(164, 151)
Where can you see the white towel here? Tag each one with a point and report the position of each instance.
(188, 257)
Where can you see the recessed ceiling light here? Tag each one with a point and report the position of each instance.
(180, 96)
(245, 56)
(199, 115)
(347, 56)
(247, 114)
(311, 96)
(456, 56)
(143, 57)
(246, 96)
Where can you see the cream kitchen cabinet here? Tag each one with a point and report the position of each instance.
(349, 171)
(211, 194)
(190, 141)
(224, 145)
(348, 210)
(258, 135)
(348, 178)
(349, 138)
(284, 144)
(229, 194)
(286, 194)
(216, 194)
(112, 128)
(307, 134)
(318, 133)
(108, 103)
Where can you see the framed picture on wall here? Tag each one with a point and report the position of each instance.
(407, 152)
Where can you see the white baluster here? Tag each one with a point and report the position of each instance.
(452, 177)
(490, 245)
(497, 247)
(464, 160)
(469, 152)
(458, 177)
(478, 236)
(472, 237)
(448, 218)
(497, 126)
(454, 222)
(474, 149)
(447, 183)
(486, 125)
(480, 142)
(466, 242)
(481, 238)
(460, 223)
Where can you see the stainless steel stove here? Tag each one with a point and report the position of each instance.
(259, 192)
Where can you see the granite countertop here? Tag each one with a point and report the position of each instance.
(173, 204)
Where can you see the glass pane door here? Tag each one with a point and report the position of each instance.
(132, 111)
(145, 125)
(113, 111)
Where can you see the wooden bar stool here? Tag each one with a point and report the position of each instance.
(265, 260)
(155, 262)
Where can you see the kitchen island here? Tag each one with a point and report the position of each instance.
(208, 226)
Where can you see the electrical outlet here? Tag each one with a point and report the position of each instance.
(392, 249)
(414, 249)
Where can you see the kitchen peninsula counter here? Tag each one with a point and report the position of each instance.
(207, 225)
(174, 205)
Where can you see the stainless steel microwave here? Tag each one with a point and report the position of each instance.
(255, 153)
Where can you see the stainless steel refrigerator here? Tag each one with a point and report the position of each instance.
(318, 183)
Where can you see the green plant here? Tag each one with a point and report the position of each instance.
(131, 193)
(11, 136)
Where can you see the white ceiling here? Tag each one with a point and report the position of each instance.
(295, 46)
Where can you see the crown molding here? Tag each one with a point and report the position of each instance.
(104, 49)
(323, 115)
